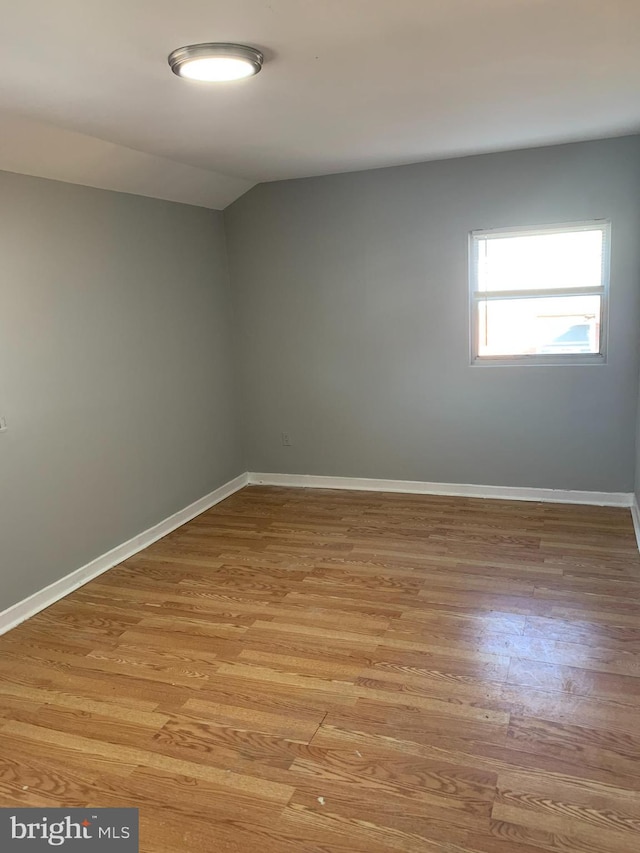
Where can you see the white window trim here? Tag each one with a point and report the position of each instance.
(476, 296)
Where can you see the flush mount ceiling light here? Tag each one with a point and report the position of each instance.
(215, 63)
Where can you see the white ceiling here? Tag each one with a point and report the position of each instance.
(87, 95)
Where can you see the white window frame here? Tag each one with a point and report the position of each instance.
(476, 296)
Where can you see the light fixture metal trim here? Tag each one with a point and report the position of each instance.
(182, 56)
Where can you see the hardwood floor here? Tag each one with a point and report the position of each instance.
(345, 672)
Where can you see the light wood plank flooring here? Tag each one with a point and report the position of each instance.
(345, 672)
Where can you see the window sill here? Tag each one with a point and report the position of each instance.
(539, 360)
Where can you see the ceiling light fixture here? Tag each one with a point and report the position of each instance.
(215, 63)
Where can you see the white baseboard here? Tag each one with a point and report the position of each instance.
(510, 493)
(17, 613)
(22, 610)
(635, 515)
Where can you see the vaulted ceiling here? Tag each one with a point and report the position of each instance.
(87, 95)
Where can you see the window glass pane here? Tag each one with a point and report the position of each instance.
(548, 326)
(537, 261)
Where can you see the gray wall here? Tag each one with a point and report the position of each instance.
(637, 457)
(351, 298)
(115, 372)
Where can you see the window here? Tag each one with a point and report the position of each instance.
(538, 296)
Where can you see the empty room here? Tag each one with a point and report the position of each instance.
(319, 434)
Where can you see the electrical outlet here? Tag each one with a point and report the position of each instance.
(286, 439)
(3, 424)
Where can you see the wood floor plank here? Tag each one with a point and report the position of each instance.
(317, 671)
